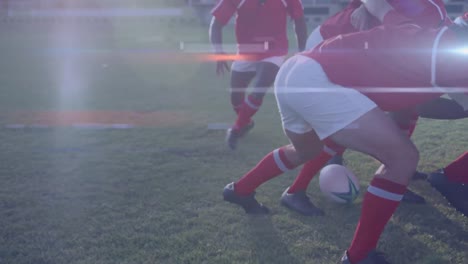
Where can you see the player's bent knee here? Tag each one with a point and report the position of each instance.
(410, 153)
(403, 162)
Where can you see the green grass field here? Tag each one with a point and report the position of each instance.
(153, 194)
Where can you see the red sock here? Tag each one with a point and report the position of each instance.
(457, 171)
(380, 201)
(310, 169)
(248, 109)
(272, 165)
(237, 98)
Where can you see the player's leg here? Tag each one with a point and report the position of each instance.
(266, 73)
(295, 196)
(240, 81)
(275, 163)
(406, 120)
(457, 171)
(452, 183)
(301, 106)
(399, 158)
(365, 134)
(351, 120)
(242, 74)
(265, 76)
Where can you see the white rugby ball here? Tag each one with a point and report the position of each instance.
(338, 183)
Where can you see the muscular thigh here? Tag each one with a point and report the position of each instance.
(375, 134)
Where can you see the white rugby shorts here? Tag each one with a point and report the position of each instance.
(308, 100)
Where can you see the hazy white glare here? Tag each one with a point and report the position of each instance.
(70, 79)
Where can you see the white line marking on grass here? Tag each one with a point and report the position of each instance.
(99, 126)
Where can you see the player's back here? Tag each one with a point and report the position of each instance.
(258, 23)
(386, 57)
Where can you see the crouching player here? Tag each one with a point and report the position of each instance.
(339, 91)
(355, 17)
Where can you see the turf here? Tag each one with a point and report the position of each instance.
(153, 194)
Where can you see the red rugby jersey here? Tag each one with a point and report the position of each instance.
(387, 60)
(261, 25)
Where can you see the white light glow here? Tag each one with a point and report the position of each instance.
(69, 75)
(462, 51)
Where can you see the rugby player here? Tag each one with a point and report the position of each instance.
(339, 92)
(262, 44)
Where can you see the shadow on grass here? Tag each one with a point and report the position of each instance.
(416, 233)
(265, 240)
(433, 228)
(413, 235)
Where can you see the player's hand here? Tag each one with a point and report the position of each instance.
(360, 18)
(377, 8)
(221, 67)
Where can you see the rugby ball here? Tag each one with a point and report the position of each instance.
(338, 183)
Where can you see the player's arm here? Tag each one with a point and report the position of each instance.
(301, 32)
(216, 35)
(296, 11)
(216, 39)
(222, 13)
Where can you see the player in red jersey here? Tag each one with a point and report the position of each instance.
(452, 180)
(355, 17)
(262, 43)
(336, 95)
(426, 13)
